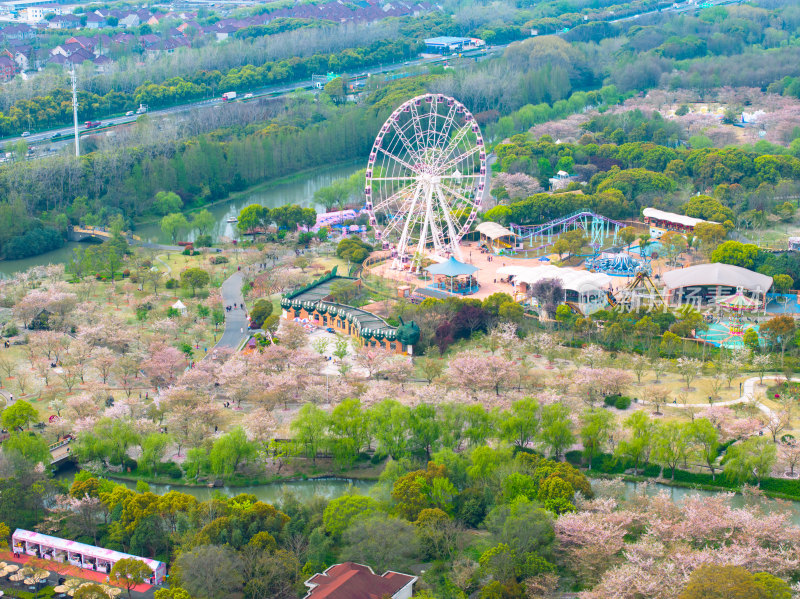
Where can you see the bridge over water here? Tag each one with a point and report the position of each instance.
(99, 233)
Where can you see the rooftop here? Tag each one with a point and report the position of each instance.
(717, 274)
(680, 219)
(446, 40)
(354, 581)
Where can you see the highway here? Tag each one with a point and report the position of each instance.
(65, 134)
(62, 136)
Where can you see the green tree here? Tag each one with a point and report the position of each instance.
(202, 222)
(229, 451)
(31, 447)
(340, 512)
(735, 253)
(520, 425)
(154, 446)
(196, 278)
(19, 415)
(167, 202)
(499, 562)
(380, 541)
(627, 235)
(309, 428)
(595, 432)
(779, 330)
(173, 225)
(671, 444)
(752, 458)
(782, 283)
(704, 438)
(711, 581)
(637, 446)
(556, 428)
(254, 216)
(130, 572)
(335, 88)
(260, 312)
(91, 591)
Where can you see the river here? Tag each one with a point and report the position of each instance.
(335, 487)
(297, 189)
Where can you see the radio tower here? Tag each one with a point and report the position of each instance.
(75, 112)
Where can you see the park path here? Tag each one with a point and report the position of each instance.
(235, 319)
(748, 395)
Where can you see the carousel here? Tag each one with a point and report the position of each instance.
(728, 333)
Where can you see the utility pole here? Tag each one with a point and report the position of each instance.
(75, 112)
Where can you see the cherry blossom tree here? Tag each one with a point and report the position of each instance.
(164, 364)
(261, 427)
(371, 359)
(789, 453)
(474, 371)
(104, 360)
(517, 185)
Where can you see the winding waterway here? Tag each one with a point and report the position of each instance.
(298, 189)
(331, 488)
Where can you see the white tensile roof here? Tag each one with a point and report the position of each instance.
(717, 274)
(493, 230)
(73, 546)
(678, 219)
(575, 280)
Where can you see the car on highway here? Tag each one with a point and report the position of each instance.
(56, 136)
(130, 113)
(248, 96)
(26, 133)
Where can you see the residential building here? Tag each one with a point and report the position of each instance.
(18, 32)
(7, 68)
(65, 22)
(355, 581)
(130, 20)
(95, 21)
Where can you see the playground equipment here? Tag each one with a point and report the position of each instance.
(620, 265)
(737, 304)
(641, 291)
(598, 228)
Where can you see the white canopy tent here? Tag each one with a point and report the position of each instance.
(581, 281)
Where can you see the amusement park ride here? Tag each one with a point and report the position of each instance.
(425, 179)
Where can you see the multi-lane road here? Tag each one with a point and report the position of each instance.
(62, 136)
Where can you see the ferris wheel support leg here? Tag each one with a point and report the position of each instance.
(416, 260)
(455, 248)
(403, 243)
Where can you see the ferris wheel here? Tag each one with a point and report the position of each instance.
(425, 179)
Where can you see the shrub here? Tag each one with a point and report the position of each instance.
(171, 284)
(129, 464)
(219, 260)
(170, 469)
(203, 241)
(353, 249)
(126, 273)
(622, 403)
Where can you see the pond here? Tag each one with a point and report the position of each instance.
(328, 488)
(298, 189)
(332, 487)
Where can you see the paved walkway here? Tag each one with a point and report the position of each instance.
(748, 395)
(235, 319)
(57, 569)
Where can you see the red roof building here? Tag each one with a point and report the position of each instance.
(354, 581)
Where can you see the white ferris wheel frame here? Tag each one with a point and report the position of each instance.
(426, 175)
